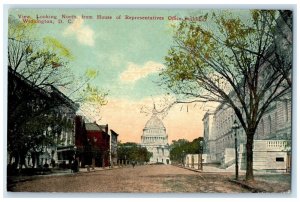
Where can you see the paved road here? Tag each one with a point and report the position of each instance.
(141, 179)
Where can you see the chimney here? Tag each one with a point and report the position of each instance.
(106, 128)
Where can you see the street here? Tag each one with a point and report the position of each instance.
(141, 179)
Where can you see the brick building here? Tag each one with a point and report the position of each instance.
(99, 139)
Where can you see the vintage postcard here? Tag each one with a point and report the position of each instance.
(139, 100)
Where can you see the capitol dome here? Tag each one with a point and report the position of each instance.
(154, 126)
(155, 139)
(154, 123)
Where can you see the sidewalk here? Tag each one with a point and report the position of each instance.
(211, 169)
(12, 180)
(85, 170)
(264, 182)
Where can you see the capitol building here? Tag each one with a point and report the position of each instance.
(155, 139)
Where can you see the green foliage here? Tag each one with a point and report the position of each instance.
(91, 73)
(19, 31)
(210, 61)
(56, 46)
(41, 61)
(94, 95)
(233, 60)
(181, 147)
(133, 152)
(91, 94)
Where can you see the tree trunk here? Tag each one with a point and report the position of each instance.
(249, 150)
(33, 157)
(23, 160)
(17, 160)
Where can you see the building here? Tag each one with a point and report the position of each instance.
(155, 139)
(272, 140)
(113, 147)
(43, 129)
(62, 129)
(83, 148)
(94, 146)
(99, 139)
(40, 124)
(193, 160)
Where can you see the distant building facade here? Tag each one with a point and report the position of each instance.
(155, 139)
(113, 147)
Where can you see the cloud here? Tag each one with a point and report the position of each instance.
(135, 72)
(113, 58)
(84, 34)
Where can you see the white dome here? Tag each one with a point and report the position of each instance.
(154, 123)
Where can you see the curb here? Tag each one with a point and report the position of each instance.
(187, 168)
(92, 171)
(249, 187)
(200, 171)
(242, 184)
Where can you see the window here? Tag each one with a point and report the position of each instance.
(270, 124)
(279, 159)
(286, 111)
(276, 120)
(262, 127)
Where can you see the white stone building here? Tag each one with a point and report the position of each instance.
(155, 139)
(272, 140)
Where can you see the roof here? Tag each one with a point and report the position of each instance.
(93, 127)
(103, 127)
(154, 122)
(48, 91)
(114, 133)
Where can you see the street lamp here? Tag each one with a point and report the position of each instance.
(75, 151)
(235, 126)
(200, 167)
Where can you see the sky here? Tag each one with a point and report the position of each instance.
(128, 55)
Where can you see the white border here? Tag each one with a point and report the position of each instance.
(153, 4)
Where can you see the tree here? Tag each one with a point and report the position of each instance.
(44, 62)
(132, 152)
(283, 42)
(227, 60)
(41, 61)
(180, 147)
(177, 149)
(38, 70)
